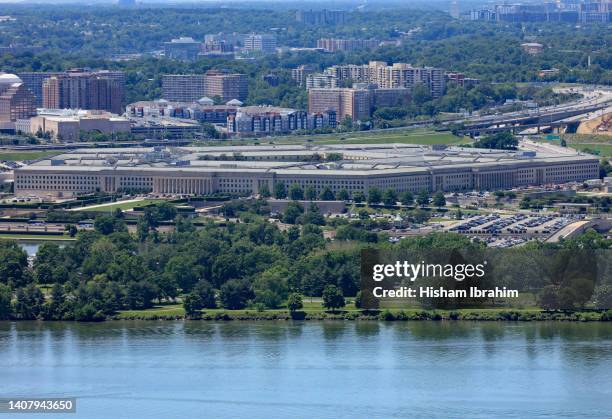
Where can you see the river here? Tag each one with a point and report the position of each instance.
(149, 369)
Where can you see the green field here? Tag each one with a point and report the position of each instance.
(111, 206)
(406, 136)
(26, 155)
(605, 150)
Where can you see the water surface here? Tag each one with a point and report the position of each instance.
(312, 369)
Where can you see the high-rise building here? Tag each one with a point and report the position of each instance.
(321, 17)
(356, 103)
(227, 86)
(183, 87)
(398, 75)
(183, 48)
(83, 90)
(264, 43)
(16, 101)
(334, 44)
(300, 73)
(352, 103)
(34, 81)
(321, 81)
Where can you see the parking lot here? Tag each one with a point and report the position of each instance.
(515, 229)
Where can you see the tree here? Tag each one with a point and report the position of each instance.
(29, 302)
(296, 192)
(358, 197)
(333, 298)
(6, 309)
(499, 141)
(407, 198)
(327, 194)
(271, 288)
(280, 192)
(389, 198)
(206, 294)
(264, 191)
(13, 264)
(192, 303)
(313, 216)
(310, 193)
(235, 294)
(342, 195)
(140, 295)
(374, 196)
(71, 229)
(293, 212)
(294, 302)
(423, 198)
(439, 200)
(365, 300)
(602, 297)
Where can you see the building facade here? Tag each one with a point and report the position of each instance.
(183, 87)
(355, 103)
(82, 90)
(262, 43)
(34, 81)
(245, 170)
(16, 101)
(226, 86)
(184, 48)
(335, 44)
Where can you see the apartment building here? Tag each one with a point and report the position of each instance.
(335, 44)
(260, 43)
(16, 101)
(227, 86)
(183, 87)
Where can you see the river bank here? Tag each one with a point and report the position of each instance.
(381, 315)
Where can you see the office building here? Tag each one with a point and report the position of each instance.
(183, 48)
(67, 125)
(260, 43)
(183, 87)
(226, 86)
(321, 81)
(334, 44)
(247, 169)
(300, 73)
(397, 75)
(34, 81)
(532, 48)
(83, 90)
(16, 101)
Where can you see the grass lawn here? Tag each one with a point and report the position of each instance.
(26, 155)
(605, 150)
(111, 206)
(406, 136)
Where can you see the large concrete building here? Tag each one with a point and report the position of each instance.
(67, 125)
(397, 75)
(247, 169)
(82, 90)
(356, 103)
(335, 45)
(213, 84)
(226, 86)
(34, 81)
(183, 48)
(260, 43)
(16, 101)
(183, 87)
